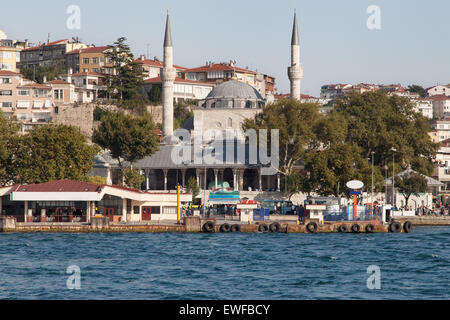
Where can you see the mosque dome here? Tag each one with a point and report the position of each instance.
(234, 94)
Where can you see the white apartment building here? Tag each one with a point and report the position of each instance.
(438, 90)
(423, 106)
(441, 106)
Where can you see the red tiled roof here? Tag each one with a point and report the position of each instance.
(219, 67)
(439, 97)
(89, 50)
(80, 74)
(35, 85)
(9, 73)
(68, 185)
(57, 82)
(158, 80)
(157, 63)
(44, 45)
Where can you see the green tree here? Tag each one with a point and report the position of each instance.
(128, 137)
(51, 72)
(377, 122)
(127, 81)
(154, 95)
(51, 153)
(193, 188)
(133, 177)
(96, 180)
(296, 123)
(411, 183)
(417, 89)
(182, 112)
(8, 133)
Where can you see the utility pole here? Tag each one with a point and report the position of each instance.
(393, 176)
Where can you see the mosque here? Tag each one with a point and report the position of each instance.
(225, 108)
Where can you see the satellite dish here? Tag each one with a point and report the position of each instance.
(355, 184)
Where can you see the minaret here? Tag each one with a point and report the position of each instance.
(167, 76)
(295, 71)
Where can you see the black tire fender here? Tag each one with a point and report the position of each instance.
(225, 228)
(275, 227)
(343, 228)
(311, 227)
(356, 228)
(395, 227)
(235, 228)
(263, 227)
(208, 227)
(407, 226)
(370, 228)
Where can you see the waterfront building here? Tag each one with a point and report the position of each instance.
(77, 201)
(9, 56)
(438, 90)
(29, 102)
(48, 53)
(153, 68)
(183, 89)
(441, 106)
(415, 201)
(92, 59)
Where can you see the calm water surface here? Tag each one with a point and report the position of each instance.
(226, 266)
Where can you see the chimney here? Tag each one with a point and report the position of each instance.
(44, 79)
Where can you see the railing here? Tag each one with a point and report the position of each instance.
(61, 218)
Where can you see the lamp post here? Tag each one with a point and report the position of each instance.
(393, 176)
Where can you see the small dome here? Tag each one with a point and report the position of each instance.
(235, 90)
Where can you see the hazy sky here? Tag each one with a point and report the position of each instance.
(336, 46)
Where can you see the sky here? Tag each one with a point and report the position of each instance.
(412, 45)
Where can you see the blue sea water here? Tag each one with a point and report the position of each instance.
(226, 266)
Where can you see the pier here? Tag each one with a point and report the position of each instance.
(210, 225)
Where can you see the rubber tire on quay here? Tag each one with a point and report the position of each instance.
(263, 228)
(407, 226)
(343, 228)
(370, 228)
(356, 228)
(275, 227)
(235, 228)
(311, 227)
(225, 228)
(208, 227)
(395, 227)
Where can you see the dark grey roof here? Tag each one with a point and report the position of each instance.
(235, 90)
(430, 181)
(162, 159)
(295, 39)
(168, 35)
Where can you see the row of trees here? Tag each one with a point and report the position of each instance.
(335, 148)
(47, 153)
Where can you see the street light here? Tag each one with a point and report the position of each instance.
(393, 175)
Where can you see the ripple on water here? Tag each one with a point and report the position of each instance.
(226, 266)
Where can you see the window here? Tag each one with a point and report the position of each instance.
(5, 92)
(6, 104)
(23, 104)
(5, 80)
(38, 104)
(230, 122)
(94, 60)
(23, 92)
(85, 60)
(136, 210)
(170, 210)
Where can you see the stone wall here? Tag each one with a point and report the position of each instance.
(78, 115)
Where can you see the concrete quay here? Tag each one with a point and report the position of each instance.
(206, 225)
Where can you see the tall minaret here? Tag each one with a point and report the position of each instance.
(295, 71)
(167, 76)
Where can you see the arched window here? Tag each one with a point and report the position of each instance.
(230, 122)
